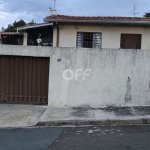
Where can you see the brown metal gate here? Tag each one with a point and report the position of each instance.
(24, 80)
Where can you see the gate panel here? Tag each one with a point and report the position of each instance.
(24, 79)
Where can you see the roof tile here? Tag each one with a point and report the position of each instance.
(96, 18)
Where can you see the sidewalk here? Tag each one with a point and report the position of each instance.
(31, 115)
(20, 115)
(95, 116)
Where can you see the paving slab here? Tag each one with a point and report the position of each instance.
(20, 115)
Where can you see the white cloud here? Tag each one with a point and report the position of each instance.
(1, 7)
(5, 17)
(38, 9)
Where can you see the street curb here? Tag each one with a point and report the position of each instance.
(94, 122)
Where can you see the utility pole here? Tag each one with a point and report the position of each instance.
(54, 4)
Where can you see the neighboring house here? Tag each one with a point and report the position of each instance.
(32, 32)
(100, 32)
(12, 38)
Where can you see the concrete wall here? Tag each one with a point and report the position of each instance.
(117, 77)
(110, 35)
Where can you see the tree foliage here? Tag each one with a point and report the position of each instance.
(13, 27)
(147, 14)
(32, 22)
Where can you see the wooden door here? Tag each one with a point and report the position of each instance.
(131, 41)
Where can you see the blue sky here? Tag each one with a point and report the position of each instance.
(38, 9)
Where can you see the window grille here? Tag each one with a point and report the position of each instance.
(89, 40)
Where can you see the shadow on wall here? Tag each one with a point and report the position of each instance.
(128, 96)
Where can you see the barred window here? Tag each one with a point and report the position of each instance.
(89, 40)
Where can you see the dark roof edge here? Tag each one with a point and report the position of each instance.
(100, 22)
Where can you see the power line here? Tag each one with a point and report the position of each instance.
(20, 3)
(79, 7)
(63, 4)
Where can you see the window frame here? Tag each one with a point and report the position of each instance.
(82, 39)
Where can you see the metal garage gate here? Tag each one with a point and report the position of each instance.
(24, 80)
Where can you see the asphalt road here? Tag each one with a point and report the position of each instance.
(104, 138)
(88, 138)
(28, 139)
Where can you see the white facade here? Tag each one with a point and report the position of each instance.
(110, 35)
(25, 39)
(117, 77)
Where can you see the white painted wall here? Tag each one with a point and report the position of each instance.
(110, 35)
(25, 38)
(108, 82)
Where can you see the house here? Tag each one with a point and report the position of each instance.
(33, 31)
(12, 38)
(100, 32)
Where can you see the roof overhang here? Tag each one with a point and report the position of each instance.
(34, 26)
(128, 23)
(10, 33)
(4, 34)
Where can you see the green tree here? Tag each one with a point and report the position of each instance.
(147, 14)
(13, 27)
(19, 23)
(32, 22)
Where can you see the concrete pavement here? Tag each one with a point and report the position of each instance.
(31, 115)
(20, 115)
(95, 116)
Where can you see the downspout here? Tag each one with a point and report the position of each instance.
(57, 43)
